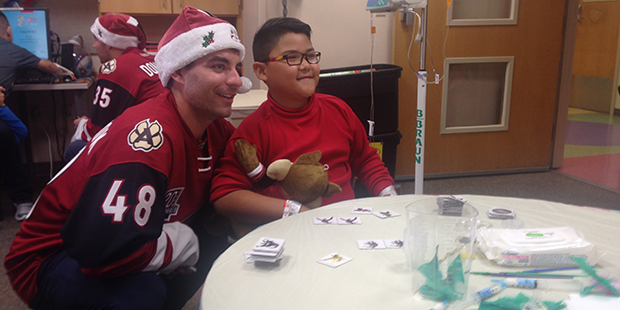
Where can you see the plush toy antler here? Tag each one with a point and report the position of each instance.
(246, 155)
(305, 180)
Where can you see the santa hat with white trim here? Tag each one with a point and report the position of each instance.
(192, 35)
(119, 31)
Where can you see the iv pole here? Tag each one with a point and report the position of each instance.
(421, 111)
(407, 6)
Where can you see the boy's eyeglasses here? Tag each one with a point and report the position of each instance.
(295, 59)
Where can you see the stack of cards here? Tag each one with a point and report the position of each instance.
(500, 213)
(450, 205)
(268, 250)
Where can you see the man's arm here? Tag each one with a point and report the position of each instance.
(249, 207)
(117, 226)
(52, 68)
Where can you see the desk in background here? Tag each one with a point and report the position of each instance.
(80, 95)
(375, 279)
(244, 104)
(81, 84)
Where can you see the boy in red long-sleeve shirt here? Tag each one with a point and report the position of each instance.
(294, 120)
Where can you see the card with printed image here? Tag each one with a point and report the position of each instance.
(393, 243)
(385, 214)
(334, 260)
(328, 220)
(370, 244)
(349, 221)
(272, 245)
(362, 210)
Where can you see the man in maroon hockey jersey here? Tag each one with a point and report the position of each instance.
(127, 76)
(116, 228)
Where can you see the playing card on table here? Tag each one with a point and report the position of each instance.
(334, 260)
(272, 245)
(385, 214)
(393, 243)
(370, 244)
(361, 210)
(349, 221)
(325, 220)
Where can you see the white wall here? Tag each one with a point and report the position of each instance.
(70, 17)
(340, 30)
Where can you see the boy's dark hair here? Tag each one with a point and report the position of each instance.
(268, 35)
(4, 22)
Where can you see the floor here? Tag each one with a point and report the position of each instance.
(592, 149)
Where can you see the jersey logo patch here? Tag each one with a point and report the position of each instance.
(108, 67)
(146, 136)
(172, 202)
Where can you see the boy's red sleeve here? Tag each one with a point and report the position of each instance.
(230, 176)
(365, 161)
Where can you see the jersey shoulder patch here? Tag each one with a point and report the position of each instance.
(108, 67)
(146, 136)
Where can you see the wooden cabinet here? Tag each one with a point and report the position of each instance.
(156, 16)
(215, 7)
(136, 6)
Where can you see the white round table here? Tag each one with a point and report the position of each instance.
(375, 279)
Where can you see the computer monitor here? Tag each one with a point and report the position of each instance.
(31, 29)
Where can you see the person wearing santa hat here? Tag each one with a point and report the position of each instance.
(127, 76)
(126, 224)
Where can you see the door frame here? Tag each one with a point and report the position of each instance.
(564, 85)
(615, 102)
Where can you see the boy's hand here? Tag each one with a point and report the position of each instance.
(303, 208)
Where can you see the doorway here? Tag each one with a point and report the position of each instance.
(589, 148)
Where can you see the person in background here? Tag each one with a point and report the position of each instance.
(127, 76)
(293, 121)
(127, 224)
(13, 59)
(18, 128)
(12, 173)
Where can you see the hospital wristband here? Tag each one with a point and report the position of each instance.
(291, 207)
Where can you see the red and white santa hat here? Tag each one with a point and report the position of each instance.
(119, 31)
(192, 35)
